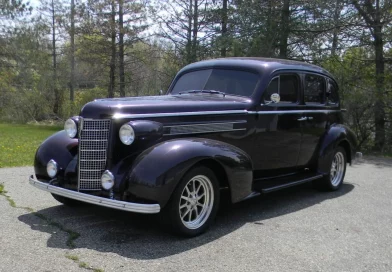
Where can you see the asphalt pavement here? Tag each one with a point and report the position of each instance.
(298, 229)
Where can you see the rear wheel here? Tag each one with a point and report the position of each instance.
(334, 180)
(194, 203)
(67, 201)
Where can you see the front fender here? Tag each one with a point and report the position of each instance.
(58, 147)
(337, 135)
(156, 172)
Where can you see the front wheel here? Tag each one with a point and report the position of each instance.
(334, 180)
(194, 203)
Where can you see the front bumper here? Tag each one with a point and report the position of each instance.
(101, 201)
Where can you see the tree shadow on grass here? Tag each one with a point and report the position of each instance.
(142, 236)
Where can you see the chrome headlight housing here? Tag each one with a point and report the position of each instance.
(71, 128)
(127, 134)
(52, 168)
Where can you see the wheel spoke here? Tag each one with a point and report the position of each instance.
(200, 196)
(190, 215)
(183, 206)
(194, 186)
(185, 198)
(187, 212)
(197, 212)
(187, 190)
(198, 188)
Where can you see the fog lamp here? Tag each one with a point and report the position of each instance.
(51, 168)
(107, 180)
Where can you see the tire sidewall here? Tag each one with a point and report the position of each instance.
(173, 205)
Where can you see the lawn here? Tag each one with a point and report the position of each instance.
(18, 143)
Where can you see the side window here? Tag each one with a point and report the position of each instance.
(314, 91)
(332, 93)
(286, 86)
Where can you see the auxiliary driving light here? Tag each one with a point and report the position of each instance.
(51, 168)
(107, 180)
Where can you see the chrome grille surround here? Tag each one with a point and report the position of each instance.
(93, 144)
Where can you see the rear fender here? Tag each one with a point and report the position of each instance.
(335, 136)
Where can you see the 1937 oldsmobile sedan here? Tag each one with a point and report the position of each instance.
(246, 125)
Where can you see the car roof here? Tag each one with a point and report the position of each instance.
(262, 65)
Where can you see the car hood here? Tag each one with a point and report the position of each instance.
(106, 108)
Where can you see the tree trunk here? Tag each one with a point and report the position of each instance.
(224, 29)
(189, 33)
(57, 98)
(121, 47)
(379, 111)
(336, 16)
(284, 29)
(71, 85)
(195, 30)
(112, 76)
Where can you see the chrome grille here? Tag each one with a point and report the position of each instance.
(93, 144)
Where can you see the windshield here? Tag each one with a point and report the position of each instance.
(228, 81)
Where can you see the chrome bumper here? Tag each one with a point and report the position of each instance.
(101, 201)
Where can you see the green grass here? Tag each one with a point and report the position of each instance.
(18, 143)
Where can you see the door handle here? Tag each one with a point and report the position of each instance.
(305, 118)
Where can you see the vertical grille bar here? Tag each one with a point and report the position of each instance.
(93, 144)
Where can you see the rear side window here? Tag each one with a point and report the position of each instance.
(284, 85)
(332, 93)
(314, 91)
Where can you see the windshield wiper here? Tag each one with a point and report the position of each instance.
(204, 91)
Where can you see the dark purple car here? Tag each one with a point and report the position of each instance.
(245, 125)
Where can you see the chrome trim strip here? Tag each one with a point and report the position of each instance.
(209, 128)
(170, 114)
(101, 201)
(206, 124)
(186, 133)
(198, 113)
(291, 111)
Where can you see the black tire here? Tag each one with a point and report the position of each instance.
(202, 210)
(333, 182)
(67, 201)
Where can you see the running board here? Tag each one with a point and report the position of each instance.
(289, 184)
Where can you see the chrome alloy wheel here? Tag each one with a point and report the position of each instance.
(337, 169)
(196, 202)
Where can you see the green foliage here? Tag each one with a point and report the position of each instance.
(18, 143)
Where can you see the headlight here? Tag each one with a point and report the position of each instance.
(107, 180)
(51, 168)
(127, 134)
(71, 128)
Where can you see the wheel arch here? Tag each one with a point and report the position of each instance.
(347, 148)
(337, 135)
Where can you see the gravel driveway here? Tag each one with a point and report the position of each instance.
(298, 229)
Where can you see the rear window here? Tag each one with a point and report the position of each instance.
(233, 82)
(314, 92)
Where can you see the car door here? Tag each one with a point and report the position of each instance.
(278, 132)
(314, 118)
